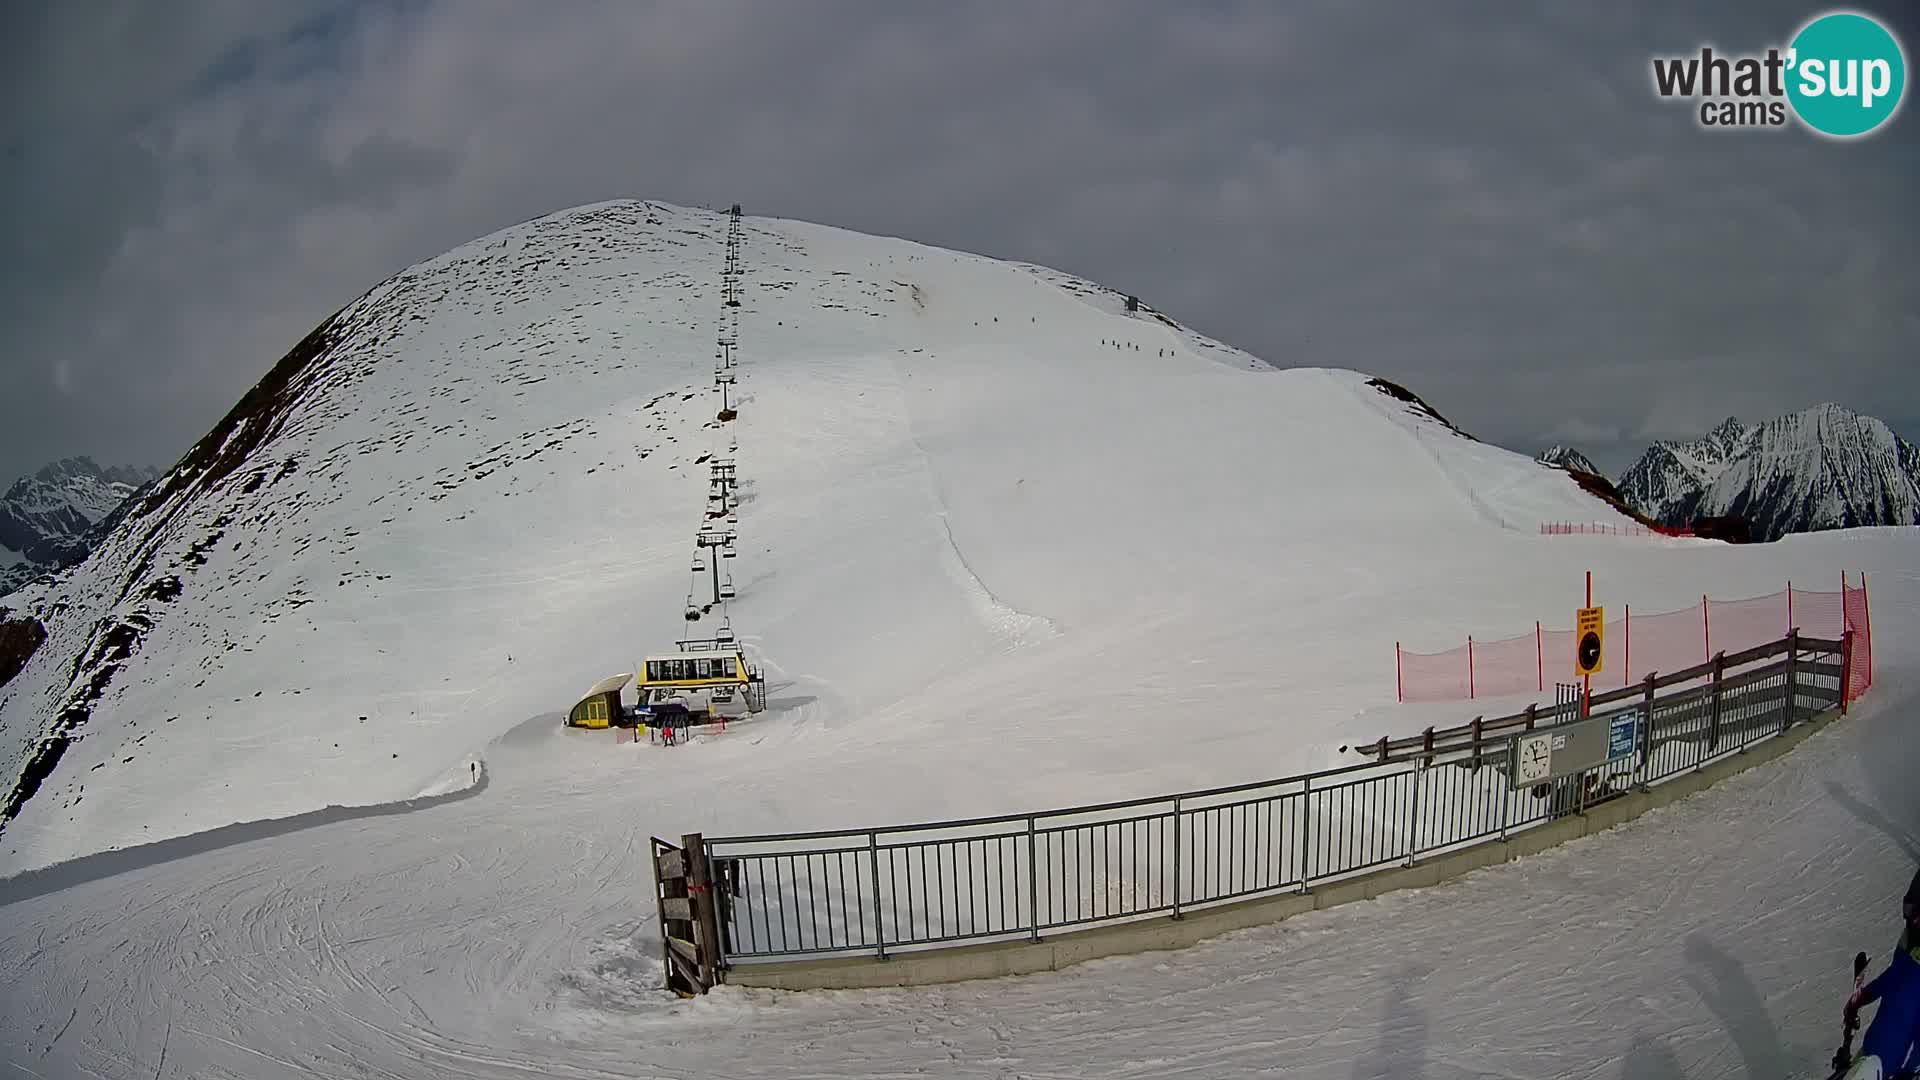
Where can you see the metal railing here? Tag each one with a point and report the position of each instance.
(940, 884)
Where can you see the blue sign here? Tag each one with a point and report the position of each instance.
(1620, 736)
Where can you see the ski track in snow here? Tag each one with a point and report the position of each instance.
(1013, 626)
(1220, 599)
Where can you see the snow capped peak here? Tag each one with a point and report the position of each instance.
(1823, 467)
(1566, 457)
(45, 518)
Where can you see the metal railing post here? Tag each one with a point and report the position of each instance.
(1793, 662)
(1176, 857)
(1506, 789)
(1306, 831)
(1413, 812)
(1713, 716)
(1033, 881)
(879, 928)
(1646, 734)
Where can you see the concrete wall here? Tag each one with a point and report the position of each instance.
(959, 963)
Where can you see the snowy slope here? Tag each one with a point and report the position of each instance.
(1004, 547)
(1823, 468)
(46, 519)
(481, 939)
(1566, 457)
(473, 493)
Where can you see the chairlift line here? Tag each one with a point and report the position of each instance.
(723, 476)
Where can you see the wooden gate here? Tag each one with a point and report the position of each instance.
(689, 923)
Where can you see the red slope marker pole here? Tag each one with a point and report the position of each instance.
(1626, 668)
(1586, 681)
(1866, 612)
(1706, 627)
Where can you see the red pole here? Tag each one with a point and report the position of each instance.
(1586, 681)
(1539, 660)
(1789, 606)
(1626, 669)
(1866, 612)
(1469, 665)
(1706, 626)
(1399, 681)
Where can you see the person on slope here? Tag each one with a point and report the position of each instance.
(1888, 1048)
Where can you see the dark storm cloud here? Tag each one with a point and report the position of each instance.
(1494, 211)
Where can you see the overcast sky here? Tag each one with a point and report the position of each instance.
(1493, 210)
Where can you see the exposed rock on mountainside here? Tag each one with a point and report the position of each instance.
(1823, 468)
(51, 519)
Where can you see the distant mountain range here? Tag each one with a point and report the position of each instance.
(1827, 467)
(52, 519)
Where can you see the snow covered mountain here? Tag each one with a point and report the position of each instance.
(1566, 457)
(473, 492)
(52, 518)
(1823, 468)
(1005, 544)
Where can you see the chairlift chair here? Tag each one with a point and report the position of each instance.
(698, 566)
(727, 591)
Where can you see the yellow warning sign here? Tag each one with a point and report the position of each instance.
(1590, 641)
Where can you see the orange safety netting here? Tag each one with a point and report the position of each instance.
(1640, 645)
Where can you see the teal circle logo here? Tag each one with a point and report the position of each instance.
(1846, 75)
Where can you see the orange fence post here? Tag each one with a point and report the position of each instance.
(1469, 667)
(1866, 610)
(1706, 626)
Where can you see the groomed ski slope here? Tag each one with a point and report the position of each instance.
(1018, 568)
(508, 935)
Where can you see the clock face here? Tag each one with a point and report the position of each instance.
(1535, 758)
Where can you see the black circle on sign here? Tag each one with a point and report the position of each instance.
(1589, 650)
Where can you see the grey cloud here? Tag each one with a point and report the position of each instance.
(1495, 211)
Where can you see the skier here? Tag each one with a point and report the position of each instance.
(1888, 1048)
